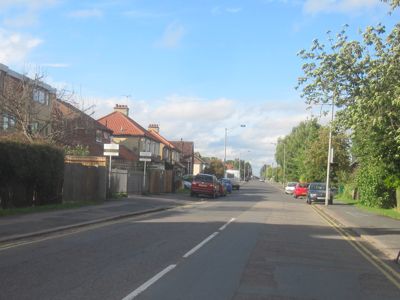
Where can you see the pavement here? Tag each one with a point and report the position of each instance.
(382, 232)
(13, 228)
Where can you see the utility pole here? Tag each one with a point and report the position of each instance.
(328, 168)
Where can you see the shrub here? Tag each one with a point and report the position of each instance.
(30, 174)
(373, 191)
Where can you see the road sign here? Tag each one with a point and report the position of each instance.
(111, 146)
(144, 159)
(108, 153)
(145, 154)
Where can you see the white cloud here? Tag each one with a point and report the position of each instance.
(55, 65)
(172, 36)
(86, 13)
(5, 4)
(15, 47)
(23, 13)
(217, 10)
(234, 10)
(339, 6)
(139, 14)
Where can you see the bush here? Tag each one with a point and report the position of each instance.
(373, 191)
(30, 174)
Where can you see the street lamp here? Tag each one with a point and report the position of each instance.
(226, 134)
(330, 155)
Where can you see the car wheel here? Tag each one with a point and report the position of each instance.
(192, 194)
(295, 196)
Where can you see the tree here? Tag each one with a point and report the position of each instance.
(26, 105)
(361, 78)
(216, 167)
(290, 150)
(316, 157)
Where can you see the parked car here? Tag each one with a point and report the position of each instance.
(300, 190)
(228, 184)
(204, 184)
(289, 189)
(316, 192)
(221, 188)
(235, 183)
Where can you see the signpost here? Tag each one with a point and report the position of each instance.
(145, 157)
(110, 150)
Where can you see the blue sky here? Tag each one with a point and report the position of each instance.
(194, 67)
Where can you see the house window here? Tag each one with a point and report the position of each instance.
(7, 122)
(2, 78)
(106, 135)
(99, 135)
(148, 145)
(41, 96)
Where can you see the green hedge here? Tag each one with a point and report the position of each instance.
(30, 174)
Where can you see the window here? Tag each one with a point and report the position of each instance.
(99, 135)
(33, 127)
(8, 122)
(2, 78)
(40, 96)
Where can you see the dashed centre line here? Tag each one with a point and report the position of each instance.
(200, 245)
(148, 283)
(158, 276)
(229, 222)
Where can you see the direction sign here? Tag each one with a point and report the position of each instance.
(111, 146)
(144, 159)
(145, 154)
(106, 153)
(111, 150)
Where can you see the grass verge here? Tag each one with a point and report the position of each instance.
(44, 208)
(387, 212)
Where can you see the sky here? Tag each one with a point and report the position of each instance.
(195, 68)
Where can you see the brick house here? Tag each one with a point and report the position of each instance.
(25, 104)
(187, 154)
(74, 127)
(131, 134)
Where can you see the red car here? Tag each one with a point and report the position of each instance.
(300, 190)
(205, 184)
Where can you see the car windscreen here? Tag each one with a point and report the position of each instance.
(203, 178)
(317, 187)
(292, 184)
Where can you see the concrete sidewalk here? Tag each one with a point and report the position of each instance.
(29, 225)
(382, 232)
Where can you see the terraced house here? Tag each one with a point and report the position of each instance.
(25, 104)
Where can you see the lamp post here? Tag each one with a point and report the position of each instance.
(330, 155)
(226, 134)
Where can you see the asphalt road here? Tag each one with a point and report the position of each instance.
(254, 244)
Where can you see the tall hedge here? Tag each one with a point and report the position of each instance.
(30, 174)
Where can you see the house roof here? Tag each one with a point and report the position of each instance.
(198, 159)
(74, 111)
(187, 148)
(122, 125)
(162, 140)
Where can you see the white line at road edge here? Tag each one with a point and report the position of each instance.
(200, 245)
(148, 283)
(227, 223)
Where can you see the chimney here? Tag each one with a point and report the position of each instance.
(122, 109)
(154, 127)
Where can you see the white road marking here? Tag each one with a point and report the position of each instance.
(148, 283)
(227, 223)
(200, 245)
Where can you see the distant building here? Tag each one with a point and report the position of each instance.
(187, 157)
